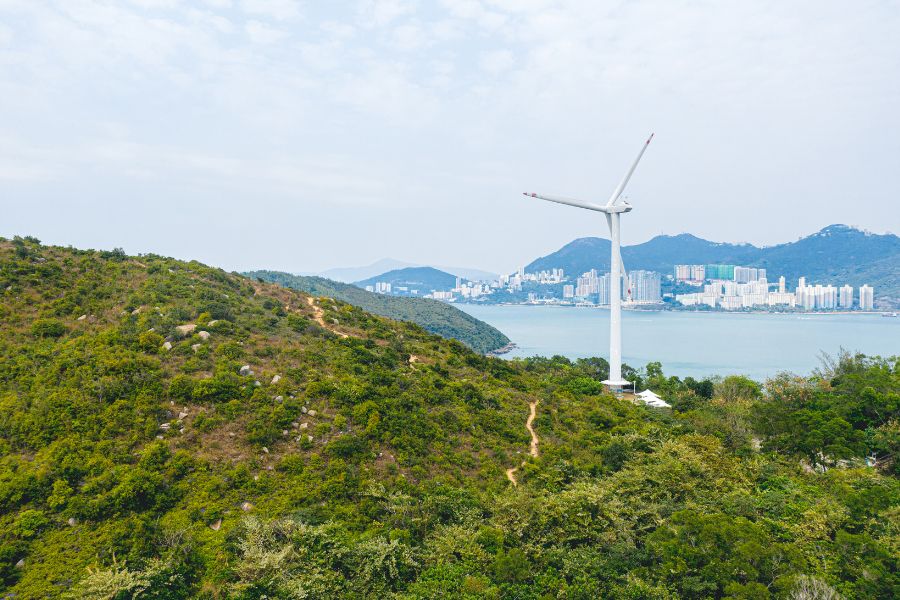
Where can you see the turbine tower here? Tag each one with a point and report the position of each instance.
(612, 209)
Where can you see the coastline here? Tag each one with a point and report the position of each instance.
(502, 350)
(714, 312)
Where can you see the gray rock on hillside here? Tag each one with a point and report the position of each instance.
(185, 329)
(245, 371)
(204, 335)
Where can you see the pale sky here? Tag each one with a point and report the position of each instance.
(301, 135)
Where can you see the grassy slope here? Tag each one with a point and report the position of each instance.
(434, 316)
(401, 490)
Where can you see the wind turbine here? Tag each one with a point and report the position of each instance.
(612, 209)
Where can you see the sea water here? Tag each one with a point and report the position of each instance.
(697, 344)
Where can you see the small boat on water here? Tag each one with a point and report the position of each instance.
(889, 314)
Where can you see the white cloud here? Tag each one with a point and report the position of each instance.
(261, 33)
(379, 13)
(497, 61)
(275, 9)
(463, 102)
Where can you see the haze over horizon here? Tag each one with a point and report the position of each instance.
(301, 137)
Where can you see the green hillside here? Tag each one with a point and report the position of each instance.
(433, 315)
(170, 430)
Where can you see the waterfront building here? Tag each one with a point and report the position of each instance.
(645, 287)
(846, 297)
(781, 299)
(866, 298)
(603, 290)
(731, 302)
(828, 299)
(568, 291)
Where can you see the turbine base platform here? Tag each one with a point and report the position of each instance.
(616, 384)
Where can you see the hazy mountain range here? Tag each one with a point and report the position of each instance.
(351, 274)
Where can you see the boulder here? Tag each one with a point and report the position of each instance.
(266, 450)
(196, 347)
(204, 335)
(167, 346)
(304, 425)
(312, 413)
(20, 564)
(216, 526)
(246, 507)
(276, 379)
(72, 521)
(245, 371)
(213, 323)
(136, 311)
(304, 410)
(279, 398)
(182, 415)
(82, 318)
(185, 329)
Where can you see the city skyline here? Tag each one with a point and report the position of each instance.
(724, 286)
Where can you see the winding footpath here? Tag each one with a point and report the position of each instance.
(535, 440)
(319, 316)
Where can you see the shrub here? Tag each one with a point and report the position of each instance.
(29, 523)
(48, 328)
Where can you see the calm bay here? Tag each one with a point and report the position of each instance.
(758, 345)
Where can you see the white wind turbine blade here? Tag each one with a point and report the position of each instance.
(569, 201)
(621, 187)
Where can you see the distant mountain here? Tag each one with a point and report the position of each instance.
(351, 274)
(837, 254)
(470, 274)
(424, 279)
(432, 315)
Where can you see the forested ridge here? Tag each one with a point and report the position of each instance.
(170, 430)
(433, 315)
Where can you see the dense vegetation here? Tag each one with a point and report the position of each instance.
(837, 254)
(432, 315)
(283, 448)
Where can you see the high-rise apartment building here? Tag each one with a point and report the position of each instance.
(845, 299)
(866, 298)
(720, 272)
(645, 286)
